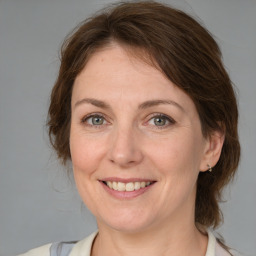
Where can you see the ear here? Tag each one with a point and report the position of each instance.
(212, 150)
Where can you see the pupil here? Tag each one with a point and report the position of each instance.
(159, 121)
(97, 120)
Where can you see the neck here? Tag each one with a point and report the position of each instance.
(175, 240)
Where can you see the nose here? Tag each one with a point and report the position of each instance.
(125, 149)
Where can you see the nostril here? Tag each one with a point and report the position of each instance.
(124, 149)
(127, 158)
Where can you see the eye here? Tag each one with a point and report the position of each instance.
(94, 120)
(161, 121)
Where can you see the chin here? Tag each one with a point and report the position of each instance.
(128, 223)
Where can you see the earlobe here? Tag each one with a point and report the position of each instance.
(212, 151)
(209, 168)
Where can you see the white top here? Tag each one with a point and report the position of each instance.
(83, 248)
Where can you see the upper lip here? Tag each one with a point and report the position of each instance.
(127, 180)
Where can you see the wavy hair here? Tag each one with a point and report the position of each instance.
(187, 55)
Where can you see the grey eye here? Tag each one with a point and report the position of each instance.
(160, 121)
(97, 120)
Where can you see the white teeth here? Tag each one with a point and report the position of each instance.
(130, 186)
(121, 186)
(109, 184)
(137, 185)
(114, 185)
(143, 184)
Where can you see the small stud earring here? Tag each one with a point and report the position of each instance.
(209, 168)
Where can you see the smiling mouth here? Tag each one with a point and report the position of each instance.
(128, 187)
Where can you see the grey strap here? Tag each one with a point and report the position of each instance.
(61, 248)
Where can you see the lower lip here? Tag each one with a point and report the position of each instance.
(126, 194)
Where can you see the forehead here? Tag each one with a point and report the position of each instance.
(115, 72)
(121, 53)
(114, 62)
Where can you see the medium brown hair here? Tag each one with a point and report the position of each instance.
(187, 55)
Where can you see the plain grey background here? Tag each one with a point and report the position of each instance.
(38, 203)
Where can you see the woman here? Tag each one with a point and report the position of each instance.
(145, 110)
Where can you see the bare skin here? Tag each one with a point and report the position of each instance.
(130, 125)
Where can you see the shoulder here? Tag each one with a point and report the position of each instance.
(82, 247)
(219, 251)
(54, 249)
(213, 247)
(40, 251)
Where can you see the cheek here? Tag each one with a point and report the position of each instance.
(177, 157)
(86, 152)
(174, 151)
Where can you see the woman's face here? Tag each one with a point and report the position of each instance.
(136, 144)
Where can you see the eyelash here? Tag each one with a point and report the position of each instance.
(94, 115)
(170, 120)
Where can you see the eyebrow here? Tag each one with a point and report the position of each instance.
(152, 103)
(97, 103)
(144, 105)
